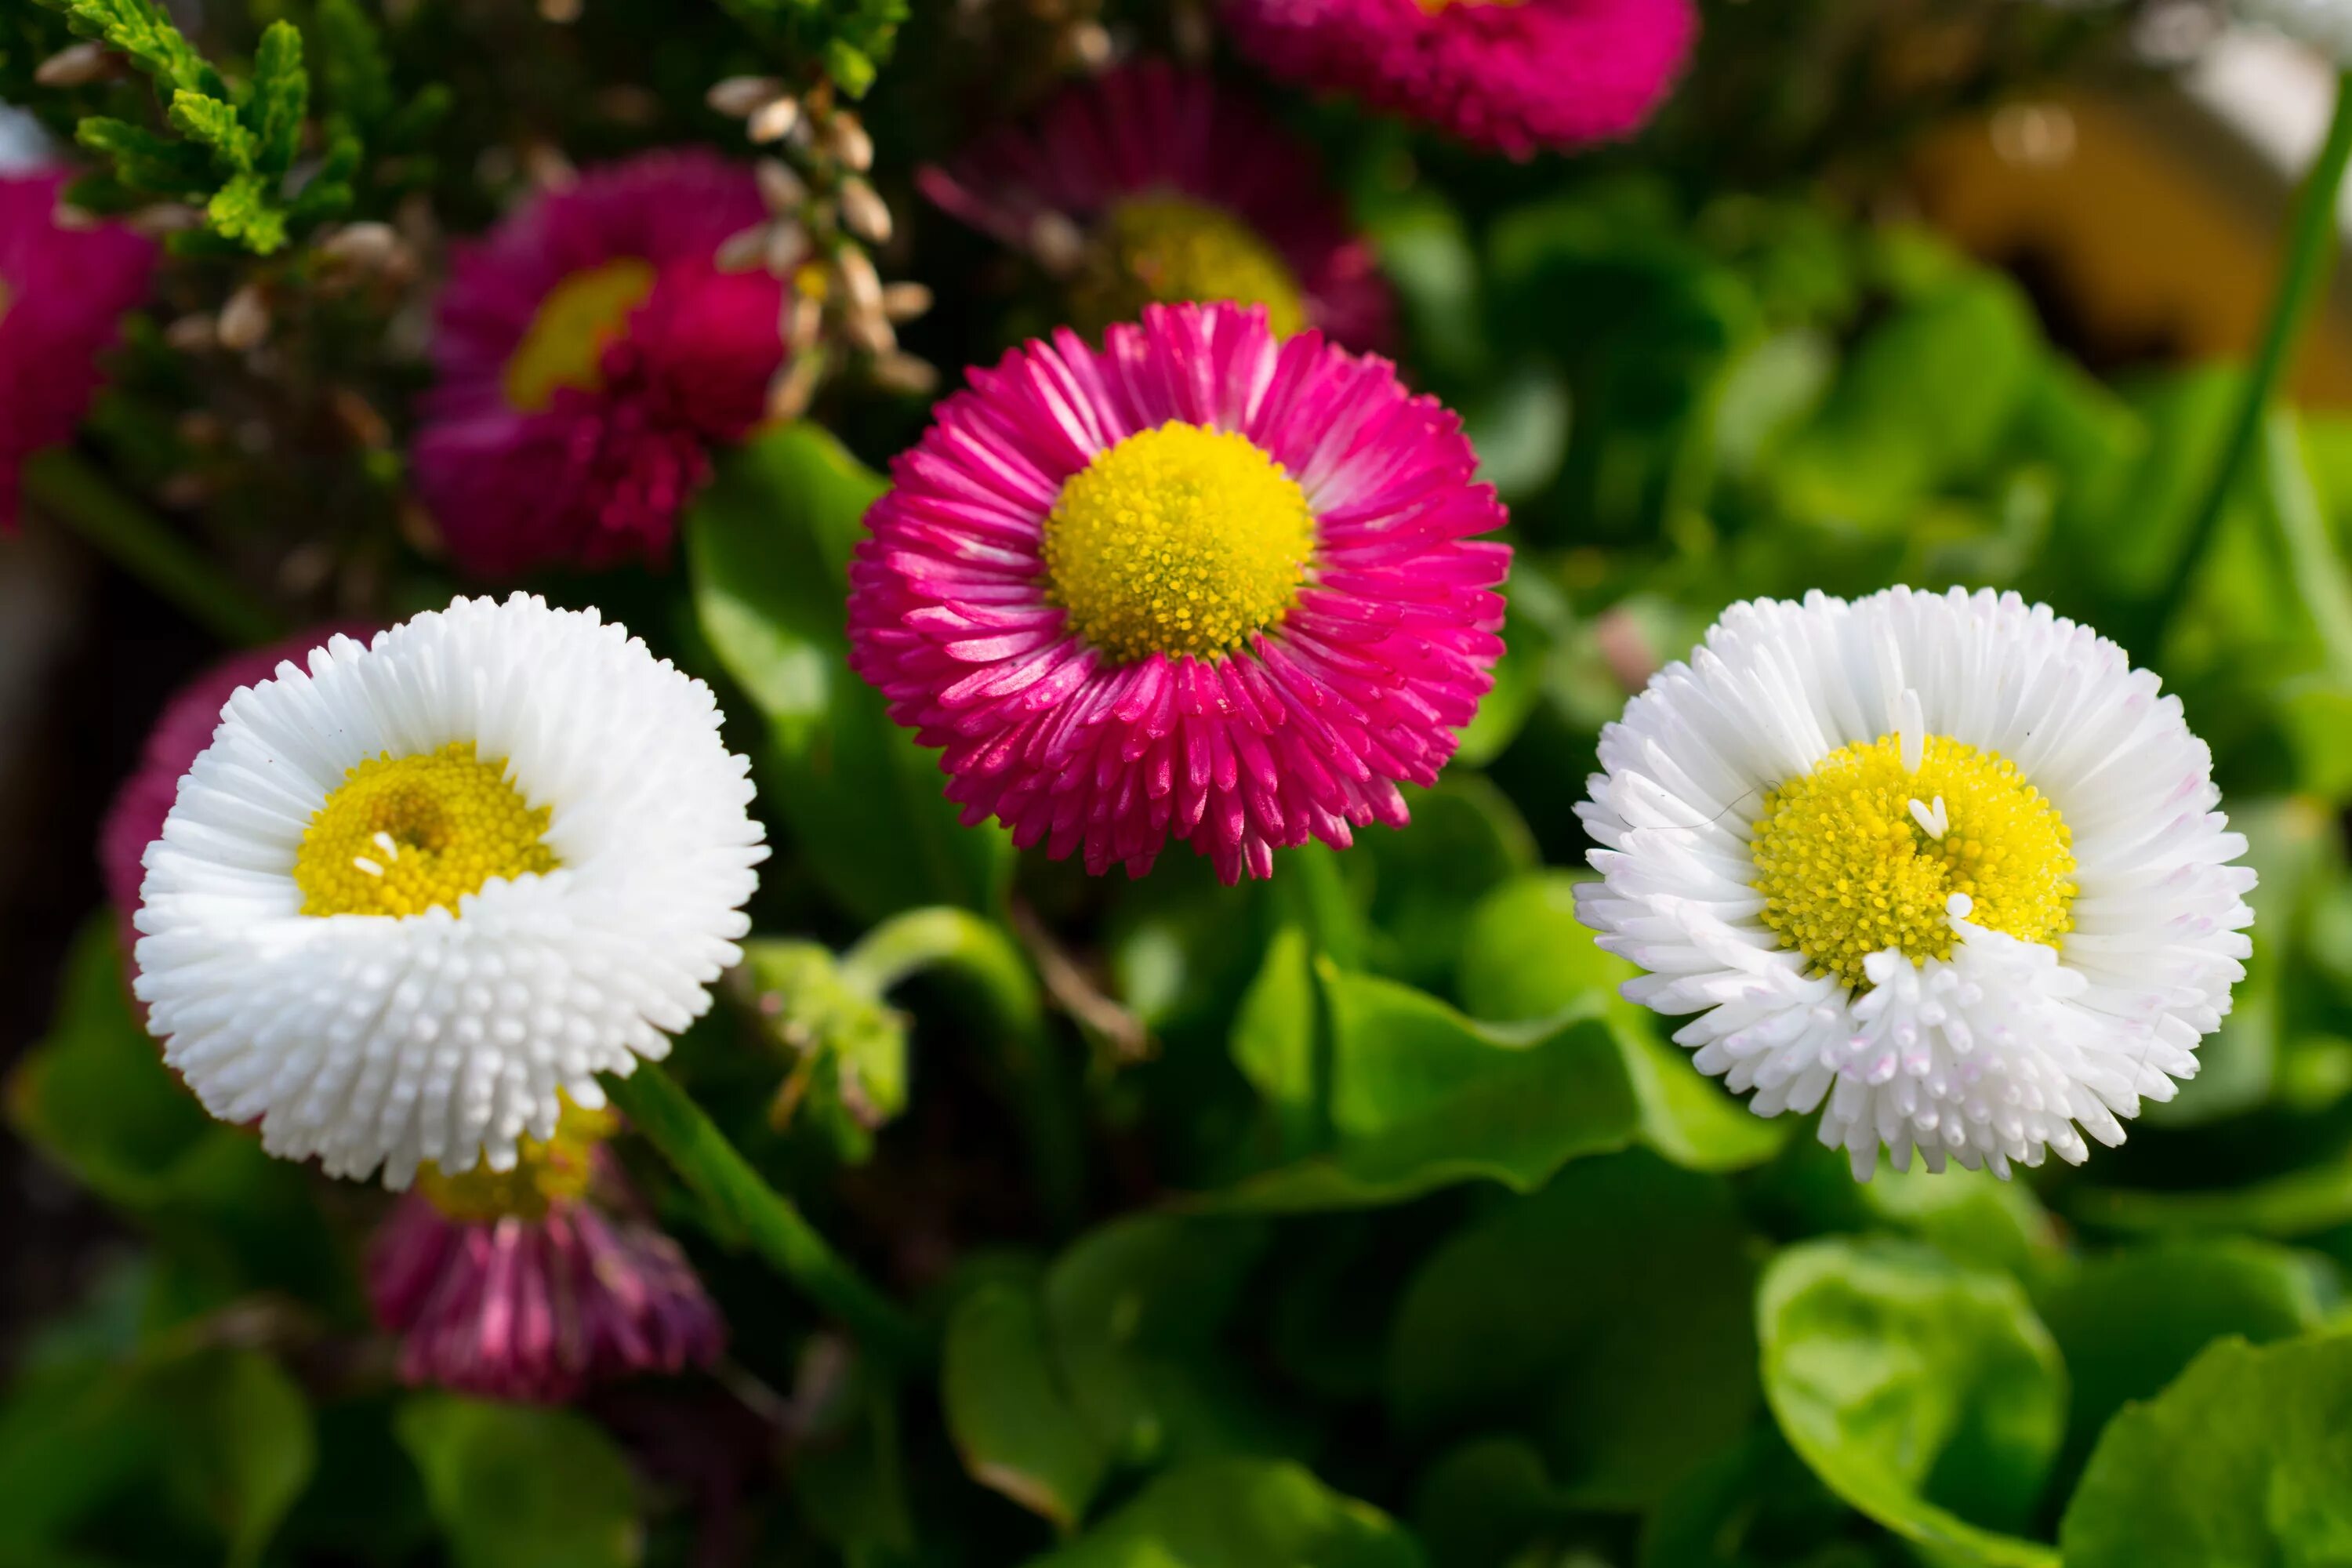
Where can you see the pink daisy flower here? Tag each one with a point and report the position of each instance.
(1181, 191)
(1204, 582)
(182, 731)
(62, 295)
(525, 1285)
(1515, 76)
(590, 354)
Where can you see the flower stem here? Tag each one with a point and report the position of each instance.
(983, 953)
(2320, 576)
(63, 486)
(725, 1182)
(2312, 244)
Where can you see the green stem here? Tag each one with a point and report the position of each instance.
(2311, 246)
(62, 486)
(983, 953)
(725, 1182)
(2318, 570)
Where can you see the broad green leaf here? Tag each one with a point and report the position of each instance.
(518, 1487)
(242, 1444)
(1927, 1394)
(1012, 1419)
(1606, 1317)
(1757, 1506)
(1135, 1311)
(1241, 1513)
(2245, 1462)
(2128, 1322)
(1424, 1098)
(1524, 955)
(767, 544)
(1481, 1503)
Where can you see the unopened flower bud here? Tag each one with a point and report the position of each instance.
(859, 278)
(780, 188)
(864, 212)
(738, 96)
(244, 320)
(77, 65)
(905, 301)
(905, 373)
(773, 121)
(848, 141)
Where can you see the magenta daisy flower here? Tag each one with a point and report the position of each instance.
(526, 1285)
(1515, 76)
(1182, 191)
(62, 295)
(590, 354)
(1205, 582)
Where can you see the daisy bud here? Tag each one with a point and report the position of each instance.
(244, 320)
(77, 65)
(773, 121)
(743, 250)
(365, 245)
(738, 96)
(784, 191)
(563, 13)
(1059, 245)
(787, 247)
(859, 278)
(905, 301)
(848, 141)
(791, 393)
(905, 373)
(864, 212)
(194, 333)
(161, 218)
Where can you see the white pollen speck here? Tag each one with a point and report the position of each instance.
(1934, 821)
(383, 841)
(370, 867)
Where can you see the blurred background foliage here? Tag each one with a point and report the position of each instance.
(1535, 1295)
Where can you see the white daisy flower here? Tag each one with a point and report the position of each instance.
(1947, 866)
(408, 898)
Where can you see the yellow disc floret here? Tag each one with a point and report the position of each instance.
(400, 836)
(558, 1170)
(1165, 249)
(1861, 854)
(1179, 540)
(565, 341)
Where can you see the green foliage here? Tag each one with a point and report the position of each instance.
(1241, 1513)
(2241, 1460)
(513, 1486)
(767, 548)
(1927, 1394)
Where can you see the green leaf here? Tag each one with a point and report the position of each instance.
(1136, 1311)
(1526, 955)
(281, 97)
(2130, 1322)
(518, 1487)
(1927, 1394)
(215, 123)
(1013, 1420)
(1483, 1501)
(242, 1444)
(847, 1047)
(1756, 1505)
(1241, 1513)
(767, 545)
(1607, 1316)
(2241, 1461)
(1424, 1097)
(350, 57)
(1971, 1216)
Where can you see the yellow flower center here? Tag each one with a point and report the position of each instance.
(402, 836)
(1861, 855)
(576, 323)
(556, 1171)
(1180, 540)
(1162, 248)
